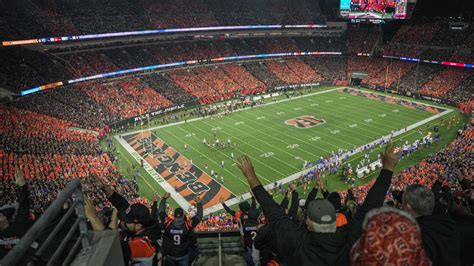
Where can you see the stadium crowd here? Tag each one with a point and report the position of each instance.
(436, 193)
(45, 139)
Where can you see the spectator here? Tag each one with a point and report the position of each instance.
(439, 233)
(140, 232)
(15, 222)
(320, 242)
(178, 236)
(389, 237)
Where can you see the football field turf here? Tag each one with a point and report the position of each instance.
(279, 137)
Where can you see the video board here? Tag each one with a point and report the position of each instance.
(374, 11)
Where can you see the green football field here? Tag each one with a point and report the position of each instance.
(279, 149)
(278, 143)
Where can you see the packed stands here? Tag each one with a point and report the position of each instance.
(166, 87)
(294, 71)
(421, 74)
(70, 104)
(357, 64)
(208, 83)
(53, 136)
(240, 75)
(463, 95)
(362, 41)
(420, 33)
(126, 98)
(332, 68)
(387, 73)
(261, 72)
(447, 80)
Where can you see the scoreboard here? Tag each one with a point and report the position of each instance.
(373, 11)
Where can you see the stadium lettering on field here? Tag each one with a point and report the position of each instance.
(147, 168)
(186, 177)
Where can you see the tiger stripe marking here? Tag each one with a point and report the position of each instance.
(187, 179)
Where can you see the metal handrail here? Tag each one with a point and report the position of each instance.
(51, 213)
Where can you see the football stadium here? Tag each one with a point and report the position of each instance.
(204, 132)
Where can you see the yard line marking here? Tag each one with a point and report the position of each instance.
(256, 148)
(358, 150)
(198, 151)
(239, 110)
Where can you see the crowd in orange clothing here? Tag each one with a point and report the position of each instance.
(19, 123)
(445, 81)
(463, 95)
(294, 71)
(49, 152)
(420, 74)
(387, 73)
(126, 98)
(240, 75)
(212, 84)
(220, 221)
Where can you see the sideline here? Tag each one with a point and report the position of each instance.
(184, 204)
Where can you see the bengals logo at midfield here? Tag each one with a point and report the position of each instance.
(305, 121)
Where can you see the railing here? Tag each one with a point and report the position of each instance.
(73, 189)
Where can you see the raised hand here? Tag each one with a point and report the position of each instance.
(19, 178)
(391, 157)
(245, 165)
(156, 197)
(89, 208)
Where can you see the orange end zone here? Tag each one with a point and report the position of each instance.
(186, 178)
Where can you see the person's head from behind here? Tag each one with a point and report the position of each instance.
(6, 216)
(136, 218)
(390, 237)
(418, 200)
(321, 216)
(244, 206)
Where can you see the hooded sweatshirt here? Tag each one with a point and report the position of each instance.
(440, 239)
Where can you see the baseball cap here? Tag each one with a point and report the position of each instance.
(244, 206)
(137, 213)
(178, 213)
(321, 211)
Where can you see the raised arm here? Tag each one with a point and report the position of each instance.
(227, 209)
(116, 199)
(311, 196)
(91, 214)
(198, 217)
(162, 209)
(376, 195)
(285, 202)
(253, 204)
(154, 207)
(289, 235)
(294, 204)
